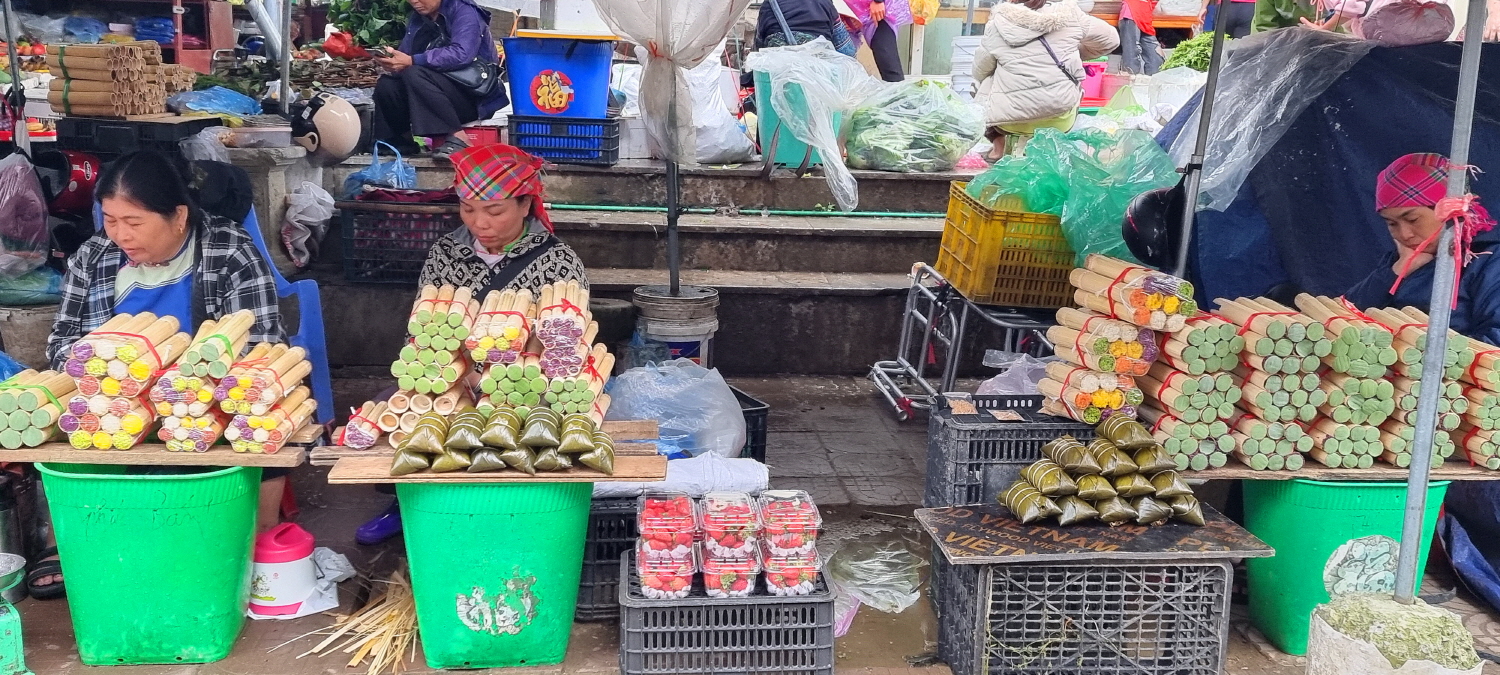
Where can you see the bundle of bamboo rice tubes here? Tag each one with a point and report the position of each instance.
(259, 380)
(268, 432)
(441, 319)
(217, 345)
(104, 422)
(1481, 447)
(108, 80)
(30, 404)
(571, 395)
(405, 407)
(112, 368)
(564, 328)
(363, 429)
(183, 396)
(1140, 295)
(1192, 445)
(1100, 343)
(383, 631)
(502, 328)
(171, 78)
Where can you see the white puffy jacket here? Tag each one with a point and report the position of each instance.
(1018, 80)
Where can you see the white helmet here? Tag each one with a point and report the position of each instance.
(328, 127)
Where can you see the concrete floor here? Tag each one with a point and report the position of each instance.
(830, 436)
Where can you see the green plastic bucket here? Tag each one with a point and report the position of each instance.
(157, 566)
(1306, 521)
(495, 569)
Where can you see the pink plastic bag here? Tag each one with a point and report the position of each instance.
(1395, 23)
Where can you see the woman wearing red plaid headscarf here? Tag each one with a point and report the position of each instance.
(1405, 196)
(506, 240)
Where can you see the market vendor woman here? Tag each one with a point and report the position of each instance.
(506, 242)
(1405, 195)
(160, 253)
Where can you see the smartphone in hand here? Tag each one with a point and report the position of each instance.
(382, 52)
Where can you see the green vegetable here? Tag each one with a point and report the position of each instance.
(917, 126)
(371, 22)
(1194, 53)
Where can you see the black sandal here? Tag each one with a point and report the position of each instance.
(42, 569)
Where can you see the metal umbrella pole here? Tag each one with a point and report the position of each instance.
(674, 253)
(286, 56)
(1195, 164)
(969, 18)
(19, 134)
(1440, 310)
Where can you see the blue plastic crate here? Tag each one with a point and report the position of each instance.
(568, 140)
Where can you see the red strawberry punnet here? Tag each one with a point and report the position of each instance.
(790, 521)
(730, 577)
(791, 575)
(668, 525)
(731, 524)
(665, 578)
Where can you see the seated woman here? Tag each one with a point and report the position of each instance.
(1405, 195)
(506, 243)
(429, 88)
(160, 253)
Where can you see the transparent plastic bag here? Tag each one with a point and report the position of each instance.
(1020, 377)
(308, 210)
(24, 238)
(720, 138)
(1103, 173)
(394, 173)
(681, 34)
(205, 145)
(884, 573)
(918, 126)
(692, 405)
(810, 84)
(1268, 79)
(214, 100)
(40, 286)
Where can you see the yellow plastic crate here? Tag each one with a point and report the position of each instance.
(1004, 256)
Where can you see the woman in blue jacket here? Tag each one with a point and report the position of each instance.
(1405, 195)
(442, 76)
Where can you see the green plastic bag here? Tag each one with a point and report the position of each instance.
(1085, 177)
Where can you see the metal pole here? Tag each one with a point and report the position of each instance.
(286, 56)
(969, 18)
(1444, 277)
(674, 262)
(20, 136)
(1195, 164)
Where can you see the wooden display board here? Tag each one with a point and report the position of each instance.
(636, 461)
(1313, 471)
(156, 454)
(987, 534)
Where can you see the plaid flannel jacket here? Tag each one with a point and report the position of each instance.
(233, 273)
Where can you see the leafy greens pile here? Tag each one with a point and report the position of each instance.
(371, 22)
(920, 126)
(1193, 53)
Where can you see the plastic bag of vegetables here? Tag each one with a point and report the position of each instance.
(917, 126)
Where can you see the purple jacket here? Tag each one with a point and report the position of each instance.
(468, 29)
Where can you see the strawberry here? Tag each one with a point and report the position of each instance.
(677, 583)
(740, 584)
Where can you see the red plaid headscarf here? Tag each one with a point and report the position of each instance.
(1421, 179)
(490, 172)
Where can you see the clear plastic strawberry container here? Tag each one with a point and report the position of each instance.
(666, 578)
(731, 524)
(730, 577)
(790, 574)
(668, 525)
(789, 522)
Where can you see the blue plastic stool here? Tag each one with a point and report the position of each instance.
(309, 335)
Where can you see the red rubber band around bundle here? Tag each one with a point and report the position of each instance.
(563, 305)
(1109, 291)
(525, 324)
(149, 347)
(1251, 319)
(1475, 364)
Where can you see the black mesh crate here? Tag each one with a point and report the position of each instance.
(387, 242)
(568, 140)
(698, 635)
(110, 138)
(1086, 618)
(755, 412)
(971, 459)
(611, 533)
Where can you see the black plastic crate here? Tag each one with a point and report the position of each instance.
(1086, 618)
(971, 459)
(111, 138)
(612, 532)
(568, 140)
(755, 412)
(699, 635)
(387, 242)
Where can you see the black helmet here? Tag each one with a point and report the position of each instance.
(1153, 226)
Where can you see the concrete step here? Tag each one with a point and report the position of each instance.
(769, 322)
(751, 242)
(643, 183)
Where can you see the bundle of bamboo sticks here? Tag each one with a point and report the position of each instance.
(122, 357)
(521, 383)
(404, 408)
(184, 400)
(261, 379)
(1481, 447)
(269, 431)
(30, 404)
(1140, 295)
(363, 429)
(1270, 446)
(103, 422)
(384, 631)
(565, 328)
(1195, 445)
(578, 394)
(217, 345)
(1409, 325)
(442, 318)
(502, 328)
(109, 80)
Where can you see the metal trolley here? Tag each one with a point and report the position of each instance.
(933, 328)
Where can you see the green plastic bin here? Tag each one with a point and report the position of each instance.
(1306, 521)
(789, 150)
(158, 566)
(495, 569)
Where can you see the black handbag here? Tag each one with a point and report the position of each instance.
(478, 78)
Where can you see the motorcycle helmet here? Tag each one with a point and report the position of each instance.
(328, 127)
(1153, 226)
(68, 178)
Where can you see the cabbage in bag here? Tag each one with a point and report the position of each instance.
(915, 127)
